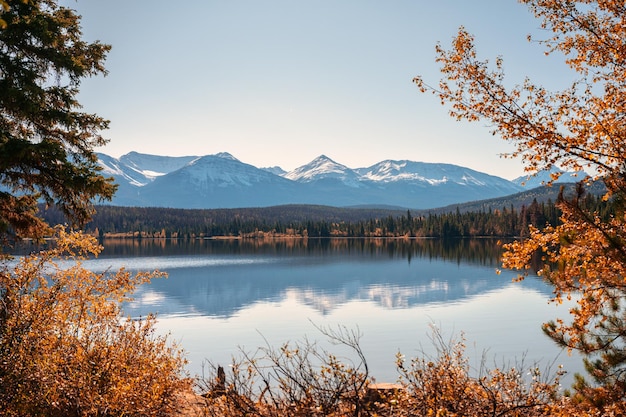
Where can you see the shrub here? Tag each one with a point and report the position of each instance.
(297, 379)
(65, 348)
(444, 385)
(302, 379)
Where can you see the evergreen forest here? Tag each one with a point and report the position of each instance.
(324, 221)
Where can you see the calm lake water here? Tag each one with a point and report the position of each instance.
(222, 296)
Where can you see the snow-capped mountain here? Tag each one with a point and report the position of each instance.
(218, 181)
(429, 173)
(222, 181)
(276, 170)
(544, 177)
(323, 168)
(141, 169)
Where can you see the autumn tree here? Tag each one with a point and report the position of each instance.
(46, 141)
(581, 127)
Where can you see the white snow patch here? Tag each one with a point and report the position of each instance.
(324, 168)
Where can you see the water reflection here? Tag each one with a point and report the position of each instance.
(477, 251)
(221, 277)
(221, 295)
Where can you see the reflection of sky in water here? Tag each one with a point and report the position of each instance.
(166, 263)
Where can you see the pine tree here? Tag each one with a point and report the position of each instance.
(46, 142)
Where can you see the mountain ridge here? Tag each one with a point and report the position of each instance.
(223, 181)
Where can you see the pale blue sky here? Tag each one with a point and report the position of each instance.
(280, 82)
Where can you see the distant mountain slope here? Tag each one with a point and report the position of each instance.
(544, 177)
(222, 181)
(276, 170)
(542, 194)
(140, 169)
(153, 166)
(135, 170)
(434, 184)
(423, 172)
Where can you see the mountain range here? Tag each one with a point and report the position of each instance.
(222, 181)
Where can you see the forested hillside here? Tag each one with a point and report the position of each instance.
(482, 219)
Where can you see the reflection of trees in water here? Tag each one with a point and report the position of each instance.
(484, 252)
(320, 273)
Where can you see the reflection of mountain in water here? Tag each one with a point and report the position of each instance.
(227, 276)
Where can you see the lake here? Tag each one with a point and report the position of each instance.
(225, 295)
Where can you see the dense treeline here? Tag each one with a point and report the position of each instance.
(320, 221)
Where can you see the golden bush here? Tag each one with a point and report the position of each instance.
(65, 347)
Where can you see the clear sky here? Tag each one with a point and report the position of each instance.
(280, 82)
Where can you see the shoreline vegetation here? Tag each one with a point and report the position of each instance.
(322, 221)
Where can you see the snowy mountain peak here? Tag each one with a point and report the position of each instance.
(392, 171)
(322, 168)
(383, 171)
(226, 155)
(544, 177)
(223, 170)
(123, 172)
(322, 159)
(276, 170)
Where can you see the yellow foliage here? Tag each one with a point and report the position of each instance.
(581, 127)
(444, 385)
(578, 127)
(65, 348)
